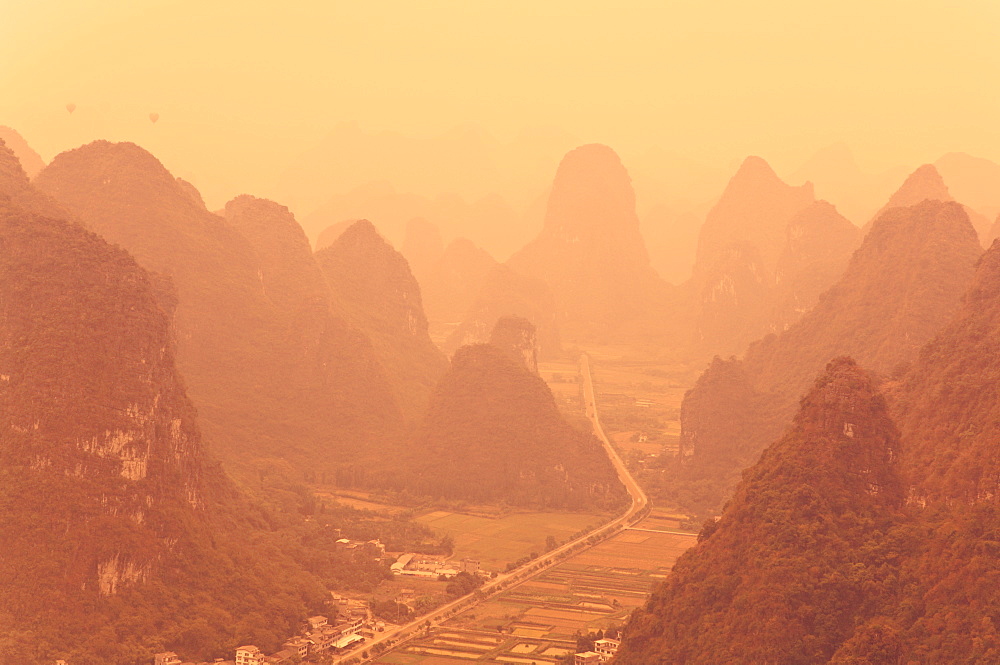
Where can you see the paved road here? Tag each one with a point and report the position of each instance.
(635, 512)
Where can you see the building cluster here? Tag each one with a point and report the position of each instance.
(353, 624)
(373, 547)
(415, 565)
(604, 650)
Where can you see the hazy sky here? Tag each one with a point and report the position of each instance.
(242, 87)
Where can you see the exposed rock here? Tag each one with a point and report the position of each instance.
(516, 336)
(819, 245)
(739, 249)
(754, 210)
(900, 288)
(242, 363)
(794, 563)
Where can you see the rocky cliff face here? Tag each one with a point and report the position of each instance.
(373, 289)
(117, 526)
(517, 337)
(900, 287)
(91, 401)
(819, 244)
(846, 544)
(735, 302)
(590, 251)
(242, 363)
(794, 564)
(740, 246)
(753, 210)
(493, 432)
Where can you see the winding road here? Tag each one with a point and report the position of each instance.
(639, 503)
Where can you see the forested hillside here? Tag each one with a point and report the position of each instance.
(266, 388)
(902, 285)
(493, 433)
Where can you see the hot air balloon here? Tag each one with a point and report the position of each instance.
(71, 107)
(153, 117)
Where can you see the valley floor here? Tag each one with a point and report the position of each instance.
(538, 620)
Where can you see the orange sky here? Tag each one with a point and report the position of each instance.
(243, 87)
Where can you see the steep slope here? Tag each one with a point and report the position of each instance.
(260, 391)
(330, 234)
(798, 558)
(837, 177)
(753, 210)
(16, 189)
(819, 245)
(972, 180)
(899, 289)
(924, 184)
(373, 289)
(948, 406)
(517, 337)
(454, 282)
(919, 586)
(590, 251)
(120, 534)
(30, 160)
(493, 433)
(739, 248)
(506, 293)
(947, 410)
(735, 299)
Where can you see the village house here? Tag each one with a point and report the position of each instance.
(297, 644)
(374, 547)
(166, 658)
(587, 658)
(281, 658)
(249, 655)
(317, 622)
(606, 648)
(414, 566)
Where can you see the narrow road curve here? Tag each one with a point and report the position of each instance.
(636, 511)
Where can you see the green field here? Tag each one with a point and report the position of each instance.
(537, 621)
(495, 542)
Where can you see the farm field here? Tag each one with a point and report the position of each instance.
(537, 621)
(497, 541)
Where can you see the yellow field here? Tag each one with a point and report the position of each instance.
(495, 542)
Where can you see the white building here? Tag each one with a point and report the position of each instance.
(587, 658)
(606, 648)
(249, 655)
(317, 622)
